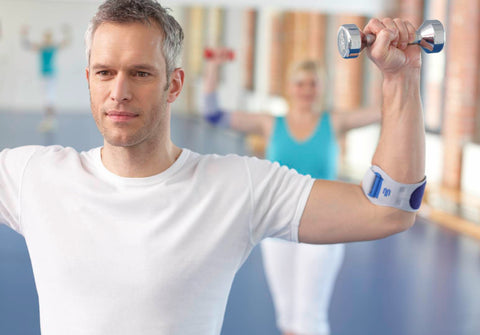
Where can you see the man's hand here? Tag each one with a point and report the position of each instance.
(391, 51)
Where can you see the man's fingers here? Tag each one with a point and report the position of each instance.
(403, 35)
(385, 38)
(411, 31)
(389, 24)
(374, 26)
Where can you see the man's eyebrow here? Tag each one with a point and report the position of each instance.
(146, 67)
(97, 66)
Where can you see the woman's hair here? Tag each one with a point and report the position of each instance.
(309, 66)
(314, 67)
(148, 12)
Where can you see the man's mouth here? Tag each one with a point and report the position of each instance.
(116, 115)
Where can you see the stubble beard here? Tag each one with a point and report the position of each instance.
(151, 129)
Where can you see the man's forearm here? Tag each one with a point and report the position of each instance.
(401, 148)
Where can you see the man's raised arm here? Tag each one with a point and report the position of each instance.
(340, 212)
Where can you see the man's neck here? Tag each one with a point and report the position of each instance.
(139, 161)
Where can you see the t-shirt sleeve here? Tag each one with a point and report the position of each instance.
(279, 196)
(12, 166)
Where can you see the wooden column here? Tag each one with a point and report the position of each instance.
(300, 36)
(215, 27)
(276, 54)
(195, 41)
(462, 85)
(317, 36)
(412, 10)
(304, 38)
(250, 18)
(193, 56)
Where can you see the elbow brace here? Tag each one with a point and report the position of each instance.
(382, 190)
(212, 113)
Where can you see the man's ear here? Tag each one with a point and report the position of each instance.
(176, 84)
(87, 75)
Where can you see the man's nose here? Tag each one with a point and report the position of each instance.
(121, 90)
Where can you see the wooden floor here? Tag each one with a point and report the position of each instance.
(453, 209)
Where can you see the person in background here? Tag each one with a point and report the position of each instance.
(301, 276)
(47, 50)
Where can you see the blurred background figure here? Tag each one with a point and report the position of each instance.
(47, 50)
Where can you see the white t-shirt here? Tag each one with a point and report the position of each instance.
(156, 255)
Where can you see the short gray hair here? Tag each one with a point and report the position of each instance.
(147, 12)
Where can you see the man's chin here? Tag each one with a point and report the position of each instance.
(123, 142)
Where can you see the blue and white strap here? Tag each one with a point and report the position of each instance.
(382, 190)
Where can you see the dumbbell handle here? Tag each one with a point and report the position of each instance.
(369, 39)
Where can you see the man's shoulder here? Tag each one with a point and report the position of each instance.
(25, 152)
(222, 159)
(50, 151)
(233, 164)
(41, 153)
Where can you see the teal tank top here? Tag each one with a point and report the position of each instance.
(316, 156)
(47, 58)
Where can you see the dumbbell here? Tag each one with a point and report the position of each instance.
(351, 41)
(210, 53)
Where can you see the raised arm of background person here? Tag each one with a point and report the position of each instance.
(343, 121)
(250, 123)
(67, 36)
(339, 212)
(26, 43)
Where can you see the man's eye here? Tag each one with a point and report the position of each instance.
(103, 73)
(142, 74)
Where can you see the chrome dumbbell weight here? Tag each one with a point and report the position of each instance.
(351, 41)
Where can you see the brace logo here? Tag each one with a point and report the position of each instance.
(386, 192)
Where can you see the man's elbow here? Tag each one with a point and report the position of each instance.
(398, 221)
(406, 223)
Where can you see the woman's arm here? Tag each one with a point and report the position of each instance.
(67, 36)
(251, 123)
(27, 44)
(343, 121)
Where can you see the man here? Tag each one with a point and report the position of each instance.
(142, 237)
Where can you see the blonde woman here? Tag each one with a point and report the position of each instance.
(301, 276)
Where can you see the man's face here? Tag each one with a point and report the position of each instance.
(129, 93)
